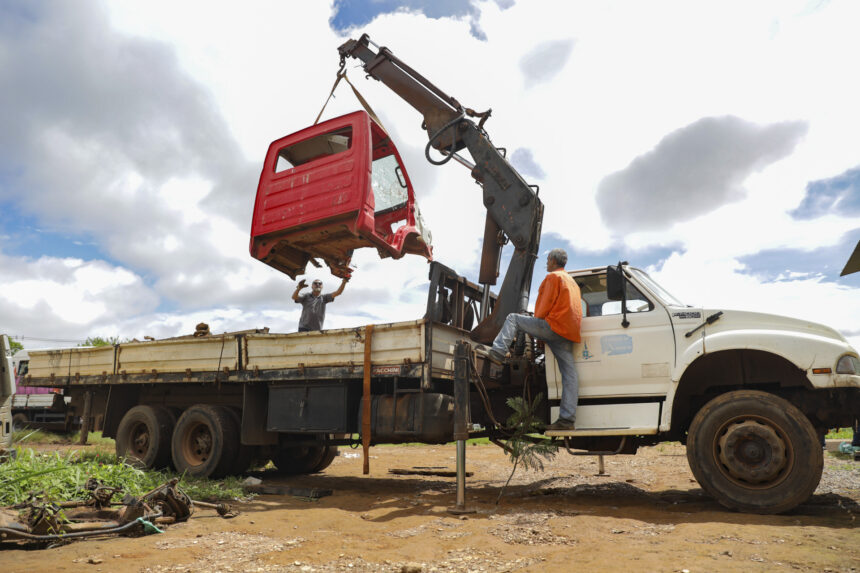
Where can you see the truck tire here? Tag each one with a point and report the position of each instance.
(143, 436)
(754, 452)
(303, 459)
(20, 421)
(325, 461)
(205, 441)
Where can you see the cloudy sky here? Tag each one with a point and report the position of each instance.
(713, 144)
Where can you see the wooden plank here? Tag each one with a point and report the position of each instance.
(444, 339)
(71, 362)
(208, 353)
(426, 472)
(393, 343)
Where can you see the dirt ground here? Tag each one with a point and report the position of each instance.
(646, 514)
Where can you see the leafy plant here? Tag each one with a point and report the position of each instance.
(101, 341)
(523, 448)
(15, 346)
(57, 477)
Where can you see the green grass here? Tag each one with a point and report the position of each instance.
(27, 436)
(94, 438)
(53, 438)
(844, 467)
(61, 477)
(840, 434)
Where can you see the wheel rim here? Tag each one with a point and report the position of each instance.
(753, 452)
(140, 440)
(197, 444)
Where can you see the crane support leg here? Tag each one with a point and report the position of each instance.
(462, 357)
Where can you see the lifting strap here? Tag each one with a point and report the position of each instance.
(341, 74)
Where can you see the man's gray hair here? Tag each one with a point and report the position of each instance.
(559, 256)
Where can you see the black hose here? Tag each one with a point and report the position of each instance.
(77, 534)
(436, 135)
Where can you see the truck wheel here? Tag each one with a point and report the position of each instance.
(20, 422)
(327, 458)
(205, 441)
(143, 436)
(754, 452)
(304, 459)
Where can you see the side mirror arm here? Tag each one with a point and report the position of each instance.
(624, 322)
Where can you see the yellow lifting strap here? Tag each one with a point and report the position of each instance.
(341, 74)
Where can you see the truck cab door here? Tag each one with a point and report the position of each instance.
(7, 378)
(624, 373)
(6, 390)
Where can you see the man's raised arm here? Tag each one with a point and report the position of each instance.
(302, 284)
(339, 291)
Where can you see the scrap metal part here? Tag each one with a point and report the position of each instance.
(38, 520)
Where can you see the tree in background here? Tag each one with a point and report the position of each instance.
(99, 341)
(15, 346)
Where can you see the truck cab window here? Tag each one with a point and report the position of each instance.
(597, 303)
(314, 148)
(388, 190)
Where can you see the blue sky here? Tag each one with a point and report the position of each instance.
(24, 236)
(350, 14)
(131, 151)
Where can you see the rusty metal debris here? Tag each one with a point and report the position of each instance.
(48, 522)
(426, 472)
(310, 493)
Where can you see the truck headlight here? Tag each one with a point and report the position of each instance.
(848, 365)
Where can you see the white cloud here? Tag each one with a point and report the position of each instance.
(546, 60)
(56, 298)
(692, 171)
(142, 127)
(690, 277)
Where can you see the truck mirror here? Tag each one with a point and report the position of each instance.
(614, 283)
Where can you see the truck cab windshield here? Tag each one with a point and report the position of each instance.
(655, 288)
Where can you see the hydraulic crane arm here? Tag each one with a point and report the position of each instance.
(513, 207)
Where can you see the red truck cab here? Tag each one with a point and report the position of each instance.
(332, 188)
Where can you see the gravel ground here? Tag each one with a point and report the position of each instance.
(646, 513)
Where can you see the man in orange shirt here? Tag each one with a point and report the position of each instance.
(556, 321)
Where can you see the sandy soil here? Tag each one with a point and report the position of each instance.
(646, 514)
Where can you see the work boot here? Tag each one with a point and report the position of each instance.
(561, 425)
(492, 355)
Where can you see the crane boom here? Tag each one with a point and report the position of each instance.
(513, 207)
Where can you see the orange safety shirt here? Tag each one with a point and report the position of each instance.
(559, 302)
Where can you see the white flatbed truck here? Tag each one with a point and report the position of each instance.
(749, 394)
